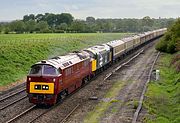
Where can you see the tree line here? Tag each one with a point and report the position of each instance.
(65, 22)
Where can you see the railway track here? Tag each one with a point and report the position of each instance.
(136, 114)
(41, 114)
(21, 114)
(8, 100)
(64, 120)
(13, 102)
(13, 94)
(122, 65)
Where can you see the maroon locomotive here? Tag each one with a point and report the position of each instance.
(48, 80)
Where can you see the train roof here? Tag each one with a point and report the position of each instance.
(135, 36)
(65, 61)
(98, 49)
(141, 34)
(127, 39)
(115, 43)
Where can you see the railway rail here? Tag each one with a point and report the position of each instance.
(13, 102)
(6, 101)
(136, 114)
(21, 114)
(13, 94)
(64, 120)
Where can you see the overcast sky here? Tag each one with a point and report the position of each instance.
(80, 9)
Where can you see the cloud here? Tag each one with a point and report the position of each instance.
(11, 9)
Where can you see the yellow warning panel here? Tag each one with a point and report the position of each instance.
(41, 88)
(93, 65)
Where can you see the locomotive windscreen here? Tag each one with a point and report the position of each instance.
(44, 70)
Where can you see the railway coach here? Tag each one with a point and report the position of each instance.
(117, 48)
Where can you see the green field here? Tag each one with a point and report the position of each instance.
(19, 51)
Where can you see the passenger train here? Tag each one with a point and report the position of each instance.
(49, 80)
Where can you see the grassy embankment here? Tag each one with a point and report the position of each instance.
(163, 96)
(19, 51)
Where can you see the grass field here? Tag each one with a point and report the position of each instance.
(19, 51)
(163, 96)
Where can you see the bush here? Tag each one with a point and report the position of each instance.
(171, 47)
(170, 43)
(161, 46)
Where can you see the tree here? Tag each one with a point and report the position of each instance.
(90, 20)
(64, 18)
(30, 26)
(63, 26)
(28, 17)
(25, 18)
(147, 21)
(39, 17)
(51, 19)
(78, 26)
(17, 26)
(42, 26)
(31, 17)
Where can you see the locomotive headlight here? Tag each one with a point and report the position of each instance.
(54, 80)
(37, 87)
(29, 79)
(44, 87)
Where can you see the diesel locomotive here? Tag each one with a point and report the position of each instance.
(49, 80)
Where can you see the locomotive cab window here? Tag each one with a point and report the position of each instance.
(36, 70)
(50, 70)
(44, 70)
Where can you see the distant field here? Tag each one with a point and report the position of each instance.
(19, 51)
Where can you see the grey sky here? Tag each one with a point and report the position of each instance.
(80, 9)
